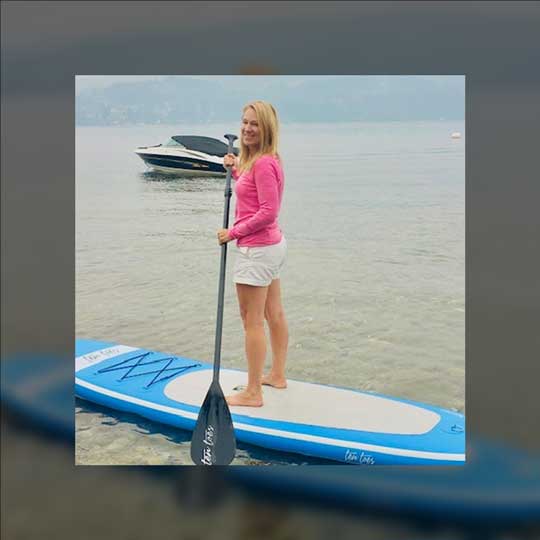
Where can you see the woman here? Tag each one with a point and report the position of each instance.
(262, 248)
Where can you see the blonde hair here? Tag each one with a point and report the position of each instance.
(268, 131)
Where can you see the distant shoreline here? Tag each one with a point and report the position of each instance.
(284, 123)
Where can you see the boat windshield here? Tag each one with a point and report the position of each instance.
(206, 145)
(172, 142)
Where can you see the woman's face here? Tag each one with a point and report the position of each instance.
(250, 133)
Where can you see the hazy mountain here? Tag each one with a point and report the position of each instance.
(177, 99)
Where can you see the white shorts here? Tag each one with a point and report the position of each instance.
(258, 266)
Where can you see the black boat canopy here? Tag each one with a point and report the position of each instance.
(208, 145)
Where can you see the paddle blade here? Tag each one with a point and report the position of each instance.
(213, 441)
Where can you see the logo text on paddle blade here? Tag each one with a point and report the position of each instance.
(208, 442)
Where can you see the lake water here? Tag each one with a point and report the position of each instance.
(374, 287)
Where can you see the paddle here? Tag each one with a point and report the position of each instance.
(213, 441)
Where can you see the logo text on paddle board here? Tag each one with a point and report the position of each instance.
(95, 357)
(208, 441)
(352, 456)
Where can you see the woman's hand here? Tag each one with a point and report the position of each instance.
(223, 236)
(229, 160)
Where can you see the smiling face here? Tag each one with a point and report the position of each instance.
(250, 130)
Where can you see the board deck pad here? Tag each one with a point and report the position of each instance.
(329, 422)
(307, 403)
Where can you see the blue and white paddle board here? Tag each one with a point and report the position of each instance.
(498, 485)
(339, 424)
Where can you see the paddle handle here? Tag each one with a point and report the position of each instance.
(223, 265)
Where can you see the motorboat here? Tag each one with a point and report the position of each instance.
(192, 155)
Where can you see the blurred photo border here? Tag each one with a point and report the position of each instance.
(494, 44)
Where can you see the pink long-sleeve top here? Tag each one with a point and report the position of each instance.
(259, 193)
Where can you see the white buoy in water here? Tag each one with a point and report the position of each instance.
(456, 135)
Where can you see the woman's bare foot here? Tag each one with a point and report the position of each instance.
(245, 399)
(272, 380)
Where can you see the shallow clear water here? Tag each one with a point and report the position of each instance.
(374, 287)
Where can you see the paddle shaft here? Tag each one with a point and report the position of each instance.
(223, 265)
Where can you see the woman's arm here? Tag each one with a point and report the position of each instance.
(266, 181)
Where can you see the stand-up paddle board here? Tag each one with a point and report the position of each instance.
(499, 485)
(338, 424)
